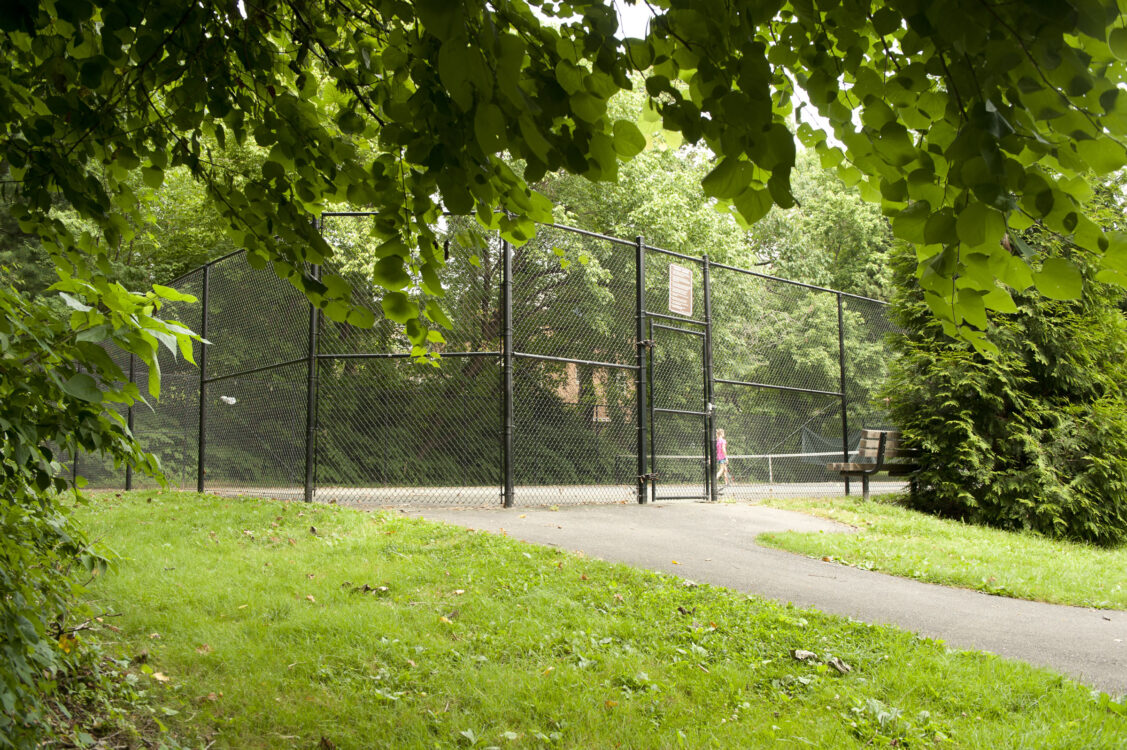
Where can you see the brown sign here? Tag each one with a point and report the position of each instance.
(680, 290)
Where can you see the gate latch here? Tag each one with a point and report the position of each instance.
(648, 343)
(647, 477)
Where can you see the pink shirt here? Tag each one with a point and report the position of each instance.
(721, 448)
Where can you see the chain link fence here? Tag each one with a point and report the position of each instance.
(580, 368)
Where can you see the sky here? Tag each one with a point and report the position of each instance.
(632, 19)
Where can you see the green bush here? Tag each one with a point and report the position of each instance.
(59, 393)
(1034, 437)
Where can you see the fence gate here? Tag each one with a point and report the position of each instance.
(680, 412)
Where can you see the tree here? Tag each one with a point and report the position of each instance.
(1033, 437)
(974, 120)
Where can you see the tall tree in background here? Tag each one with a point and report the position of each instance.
(1035, 436)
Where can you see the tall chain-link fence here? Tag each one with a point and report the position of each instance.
(579, 368)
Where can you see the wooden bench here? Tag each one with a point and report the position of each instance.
(879, 450)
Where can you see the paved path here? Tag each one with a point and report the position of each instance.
(716, 544)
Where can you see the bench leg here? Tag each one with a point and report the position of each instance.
(865, 486)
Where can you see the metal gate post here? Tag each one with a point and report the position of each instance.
(640, 347)
(709, 420)
(507, 371)
(129, 424)
(202, 447)
(844, 398)
(650, 410)
(311, 393)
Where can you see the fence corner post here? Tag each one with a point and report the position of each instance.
(201, 465)
(129, 424)
(507, 373)
(311, 394)
(641, 385)
(709, 385)
(844, 398)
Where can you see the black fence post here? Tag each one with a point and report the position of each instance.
(709, 420)
(844, 398)
(129, 424)
(650, 413)
(201, 467)
(641, 347)
(311, 394)
(507, 372)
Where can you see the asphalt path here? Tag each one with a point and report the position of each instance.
(715, 543)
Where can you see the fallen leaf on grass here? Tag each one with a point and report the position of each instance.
(203, 649)
(459, 592)
(326, 744)
(802, 655)
(292, 540)
(444, 619)
(609, 704)
(154, 636)
(160, 676)
(242, 606)
(310, 575)
(839, 665)
(310, 598)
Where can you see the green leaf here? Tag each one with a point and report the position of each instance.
(82, 386)
(489, 128)
(753, 204)
(1103, 155)
(979, 225)
(349, 122)
(999, 299)
(728, 178)
(909, 224)
(1117, 40)
(1059, 278)
(173, 295)
(628, 139)
(390, 273)
(152, 176)
(399, 308)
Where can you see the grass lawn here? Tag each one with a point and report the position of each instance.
(894, 539)
(260, 633)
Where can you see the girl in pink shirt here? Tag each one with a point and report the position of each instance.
(722, 459)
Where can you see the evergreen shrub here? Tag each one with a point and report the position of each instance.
(1034, 437)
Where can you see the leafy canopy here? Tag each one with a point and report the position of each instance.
(967, 120)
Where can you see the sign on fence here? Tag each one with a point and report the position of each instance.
(680, 290)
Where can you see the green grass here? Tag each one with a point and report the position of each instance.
(903, 542)
(483, 641)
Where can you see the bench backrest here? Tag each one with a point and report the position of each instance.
(893, 450)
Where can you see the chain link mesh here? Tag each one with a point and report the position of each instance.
(389, 431)
(575, 433)
(393, 432)
(254, 319)
(867, 329)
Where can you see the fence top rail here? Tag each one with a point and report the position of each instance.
(682, 256)
(804, 285)
(598, 236)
